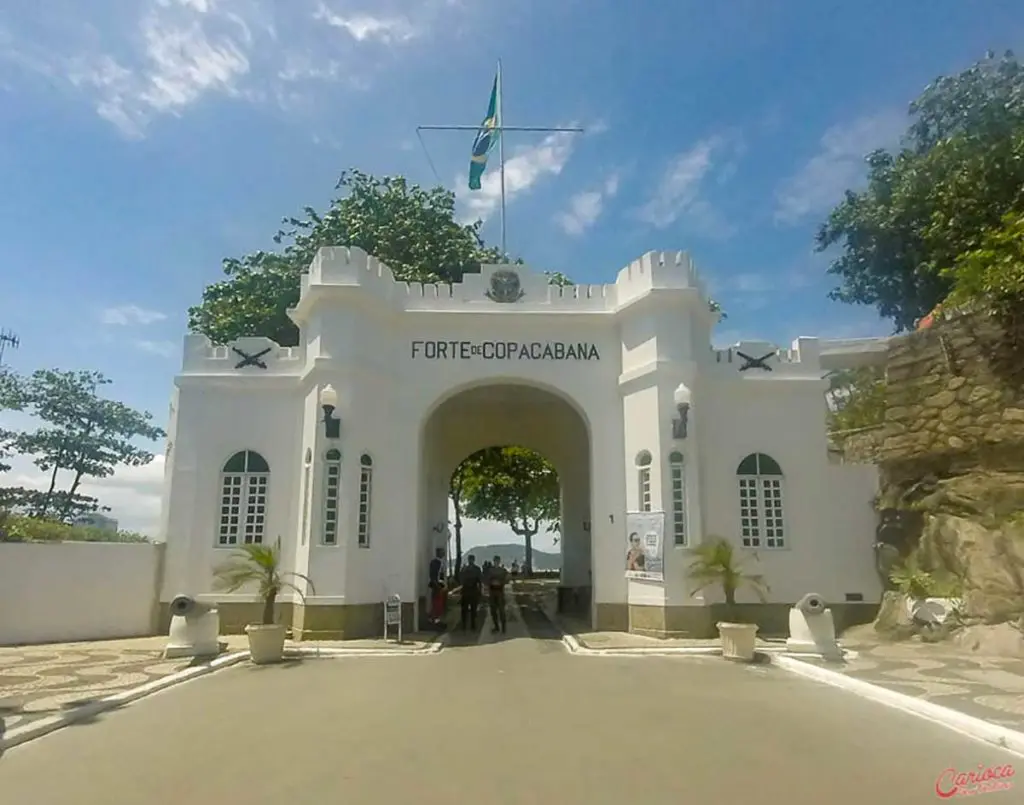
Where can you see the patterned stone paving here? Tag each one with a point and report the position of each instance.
(36, 682)
(991, 688)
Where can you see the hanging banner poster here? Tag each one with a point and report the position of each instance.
(645, 557)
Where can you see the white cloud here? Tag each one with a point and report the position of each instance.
(677, 197)
(838, 166)
(586, 207)
(366, 27)
(128, 315)
(132, 493)
(136, 62)
(185, 50)
(522, 171)
(165, 349)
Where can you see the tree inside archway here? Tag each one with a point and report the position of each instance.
(510, 485)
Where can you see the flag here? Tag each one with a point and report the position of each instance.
(486, 139)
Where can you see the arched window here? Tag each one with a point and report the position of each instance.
(678, 477)
(643, 477)
(244, 482)
(365, 500)
(332, 496)
(761, 517)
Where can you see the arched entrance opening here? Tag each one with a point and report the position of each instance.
(528, 422)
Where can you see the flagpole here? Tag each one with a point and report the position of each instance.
(501, 160)
(501, 129)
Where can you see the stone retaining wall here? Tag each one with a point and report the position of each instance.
(948, 410)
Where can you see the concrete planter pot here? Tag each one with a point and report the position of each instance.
(266, 642)
(738, 640)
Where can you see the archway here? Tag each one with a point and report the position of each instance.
(512, 414)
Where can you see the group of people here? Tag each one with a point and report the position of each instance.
(475, 580)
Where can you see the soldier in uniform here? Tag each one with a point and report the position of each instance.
(472, 580)
(497, 578)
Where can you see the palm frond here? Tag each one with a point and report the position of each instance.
(715, 563)
(259, 565)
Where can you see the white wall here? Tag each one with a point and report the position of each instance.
(70, 591)
(214, 423)
(828, 517)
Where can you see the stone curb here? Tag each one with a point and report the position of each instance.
(312, 651)
(977, 728)
(45, 726)
(576, 647)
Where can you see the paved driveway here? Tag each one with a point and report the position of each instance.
(513, 720)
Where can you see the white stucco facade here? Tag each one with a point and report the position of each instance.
(589, 376)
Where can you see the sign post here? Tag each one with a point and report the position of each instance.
(393, 615)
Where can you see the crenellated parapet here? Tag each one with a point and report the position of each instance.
(349, 269)
(244, 356)
(804, 357)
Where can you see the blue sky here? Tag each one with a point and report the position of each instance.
(141, 141)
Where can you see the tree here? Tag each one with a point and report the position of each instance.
(959, 170)
(84, 434)
(515, 486)
(411, 229)
(456, 486)
(993, 274)
(856, 398)
(11, 399)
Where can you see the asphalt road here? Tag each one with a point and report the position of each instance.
(504, 720)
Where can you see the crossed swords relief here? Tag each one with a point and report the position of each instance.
(250, 360)
(756, 363)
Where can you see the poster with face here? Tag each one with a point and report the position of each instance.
(645, 557)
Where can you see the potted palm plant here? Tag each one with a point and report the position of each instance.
(260, 565)
(716, 564)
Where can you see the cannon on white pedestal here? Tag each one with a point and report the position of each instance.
(195, 629)
(812, 629)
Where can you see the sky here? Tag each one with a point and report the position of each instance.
(143, 141)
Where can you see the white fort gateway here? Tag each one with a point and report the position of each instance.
(655, 436)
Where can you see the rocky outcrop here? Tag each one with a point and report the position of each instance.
(989, 562)
(951, 459)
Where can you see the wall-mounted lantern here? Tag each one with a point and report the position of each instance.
(329, 402)
(681, 421)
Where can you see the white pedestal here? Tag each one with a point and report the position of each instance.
(194, 636)
(739, 640)
(813, 634)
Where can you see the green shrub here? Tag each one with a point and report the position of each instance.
(914, 581)
(18, 528)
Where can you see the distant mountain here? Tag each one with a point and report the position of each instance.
(511, 552)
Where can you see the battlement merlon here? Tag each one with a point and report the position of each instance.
(341, 268)
(806, 356)
(253, 355)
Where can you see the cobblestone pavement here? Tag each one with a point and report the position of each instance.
(39, 681)
(991, 688)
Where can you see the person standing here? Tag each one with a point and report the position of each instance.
(497, 578)
(485, 572)
(437, 590)
(471, 580)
